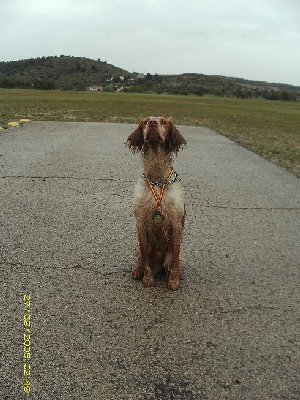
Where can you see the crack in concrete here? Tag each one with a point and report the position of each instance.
(76, 266)
(250, 208)
(248, 308)
(16, 264)
(79, 266)
(57, 177)
(241, 310)
(129, 181)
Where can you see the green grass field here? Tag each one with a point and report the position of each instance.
(270, 128)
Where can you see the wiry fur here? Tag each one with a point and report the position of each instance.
(159, 244)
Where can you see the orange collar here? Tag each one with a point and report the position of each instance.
(157, 198)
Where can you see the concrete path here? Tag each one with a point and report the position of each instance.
(67, 238)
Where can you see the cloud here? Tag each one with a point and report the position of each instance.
(252, 39)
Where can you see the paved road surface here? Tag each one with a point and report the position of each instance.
(68, 238)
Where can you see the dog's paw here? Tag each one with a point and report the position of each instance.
(136, 274)
(148, 281)
(173, 284)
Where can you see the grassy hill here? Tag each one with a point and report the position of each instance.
(63, 72)
(78, 73)
(200, 84)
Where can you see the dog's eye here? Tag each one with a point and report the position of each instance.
(165, 124)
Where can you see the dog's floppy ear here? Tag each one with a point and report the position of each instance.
(135, 141)
(175, 140)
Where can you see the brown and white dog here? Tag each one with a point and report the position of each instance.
(159, 205)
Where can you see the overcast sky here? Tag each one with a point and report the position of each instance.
(254, 39)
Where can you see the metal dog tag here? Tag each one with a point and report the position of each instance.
(157, 217)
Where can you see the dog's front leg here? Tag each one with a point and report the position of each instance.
(137, 272)
(143, 264)
(175, 268)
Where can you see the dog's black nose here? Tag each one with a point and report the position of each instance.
(153, 121)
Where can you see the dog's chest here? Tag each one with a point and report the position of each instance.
(145, 203)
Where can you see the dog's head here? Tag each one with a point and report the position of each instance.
(154, 131)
